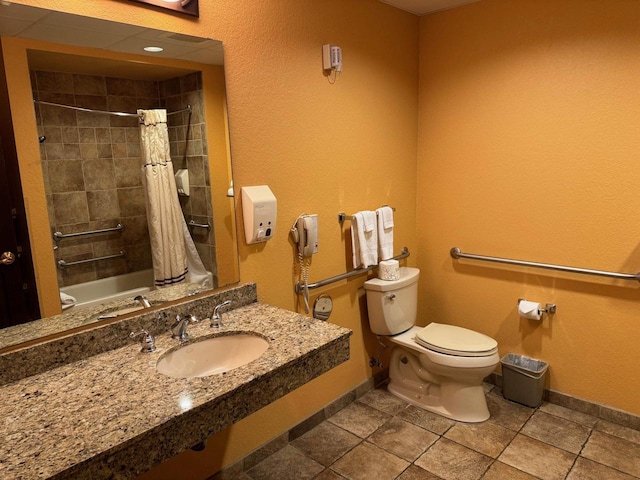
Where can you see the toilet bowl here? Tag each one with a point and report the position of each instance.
(438, 367)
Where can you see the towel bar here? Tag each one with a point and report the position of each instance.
(457, 254)
(343, 216)
(299, 287)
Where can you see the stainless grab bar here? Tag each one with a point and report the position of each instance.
(59, 235)
(62, 263)
(199, 225)
(457, 254)
(299, 288)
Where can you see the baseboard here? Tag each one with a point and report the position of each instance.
(597, 410)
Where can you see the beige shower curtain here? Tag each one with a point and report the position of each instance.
(172, 248)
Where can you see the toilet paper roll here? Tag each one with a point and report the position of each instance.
(389, 270)
(529, 310)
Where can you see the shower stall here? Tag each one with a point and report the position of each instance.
(91, 161)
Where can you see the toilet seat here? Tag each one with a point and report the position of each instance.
(458, 341)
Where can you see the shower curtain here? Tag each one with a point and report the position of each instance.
(175, 258)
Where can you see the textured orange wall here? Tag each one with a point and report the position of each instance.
(529, 139)
(321, 148)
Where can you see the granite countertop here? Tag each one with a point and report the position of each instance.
(79, 316)
(114, 416)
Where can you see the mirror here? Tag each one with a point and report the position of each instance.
(100, 65)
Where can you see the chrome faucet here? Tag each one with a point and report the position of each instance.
(179, 327)
(142, 300)
(148, 342)
(216, 318)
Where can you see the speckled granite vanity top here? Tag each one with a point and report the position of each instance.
(113, 415)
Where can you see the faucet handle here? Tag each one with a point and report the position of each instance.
(148, 342)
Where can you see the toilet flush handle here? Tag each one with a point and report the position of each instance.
(390, 296)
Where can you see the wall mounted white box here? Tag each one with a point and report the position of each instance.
(259, 210)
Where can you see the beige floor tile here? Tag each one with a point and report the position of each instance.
(556, 431)
(403, 439)
(614, 452)
(618, 431)
(416, 473)
(286, 464)
(585, 469)
(501, 471)
(508, 414)
(368, 462)
(326, 443)
(359, 419)
(537, 458)
(425, 419)
(487, 438)
(329, 475)
(451, 461)
(381, 399)
(568, 414)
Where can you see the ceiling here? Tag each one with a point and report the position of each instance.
(51, 26)
(425, 7)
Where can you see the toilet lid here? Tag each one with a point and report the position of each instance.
(457, 341)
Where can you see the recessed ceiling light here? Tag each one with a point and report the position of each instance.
(153, 49)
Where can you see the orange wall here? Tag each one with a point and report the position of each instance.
(529, 140)
(527, 145)
(321, 148)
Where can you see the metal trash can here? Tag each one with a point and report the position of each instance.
(523, 379)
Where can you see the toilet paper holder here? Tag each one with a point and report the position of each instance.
(551, 307)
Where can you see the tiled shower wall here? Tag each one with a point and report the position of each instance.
(188, 138)
(92, 166)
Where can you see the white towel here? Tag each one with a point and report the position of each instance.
(365, 243)
(67, 301)
(385, 232)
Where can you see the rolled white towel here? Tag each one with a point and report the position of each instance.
(66, 299)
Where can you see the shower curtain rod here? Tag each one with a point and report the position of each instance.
(91, 110)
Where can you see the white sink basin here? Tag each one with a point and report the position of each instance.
(212, 356)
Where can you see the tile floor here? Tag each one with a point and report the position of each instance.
(381, 437)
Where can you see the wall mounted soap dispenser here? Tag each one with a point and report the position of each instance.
(259, 210)
(182, 182)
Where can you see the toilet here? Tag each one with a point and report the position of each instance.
(438, 367)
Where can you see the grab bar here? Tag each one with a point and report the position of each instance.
(199, 225)
(59, 235)
(457, 254)
(353, 273)
(62, 263)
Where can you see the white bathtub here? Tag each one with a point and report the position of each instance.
(97, 292)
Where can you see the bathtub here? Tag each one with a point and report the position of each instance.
(98, 292)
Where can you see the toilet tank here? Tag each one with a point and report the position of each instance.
(393, 304)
